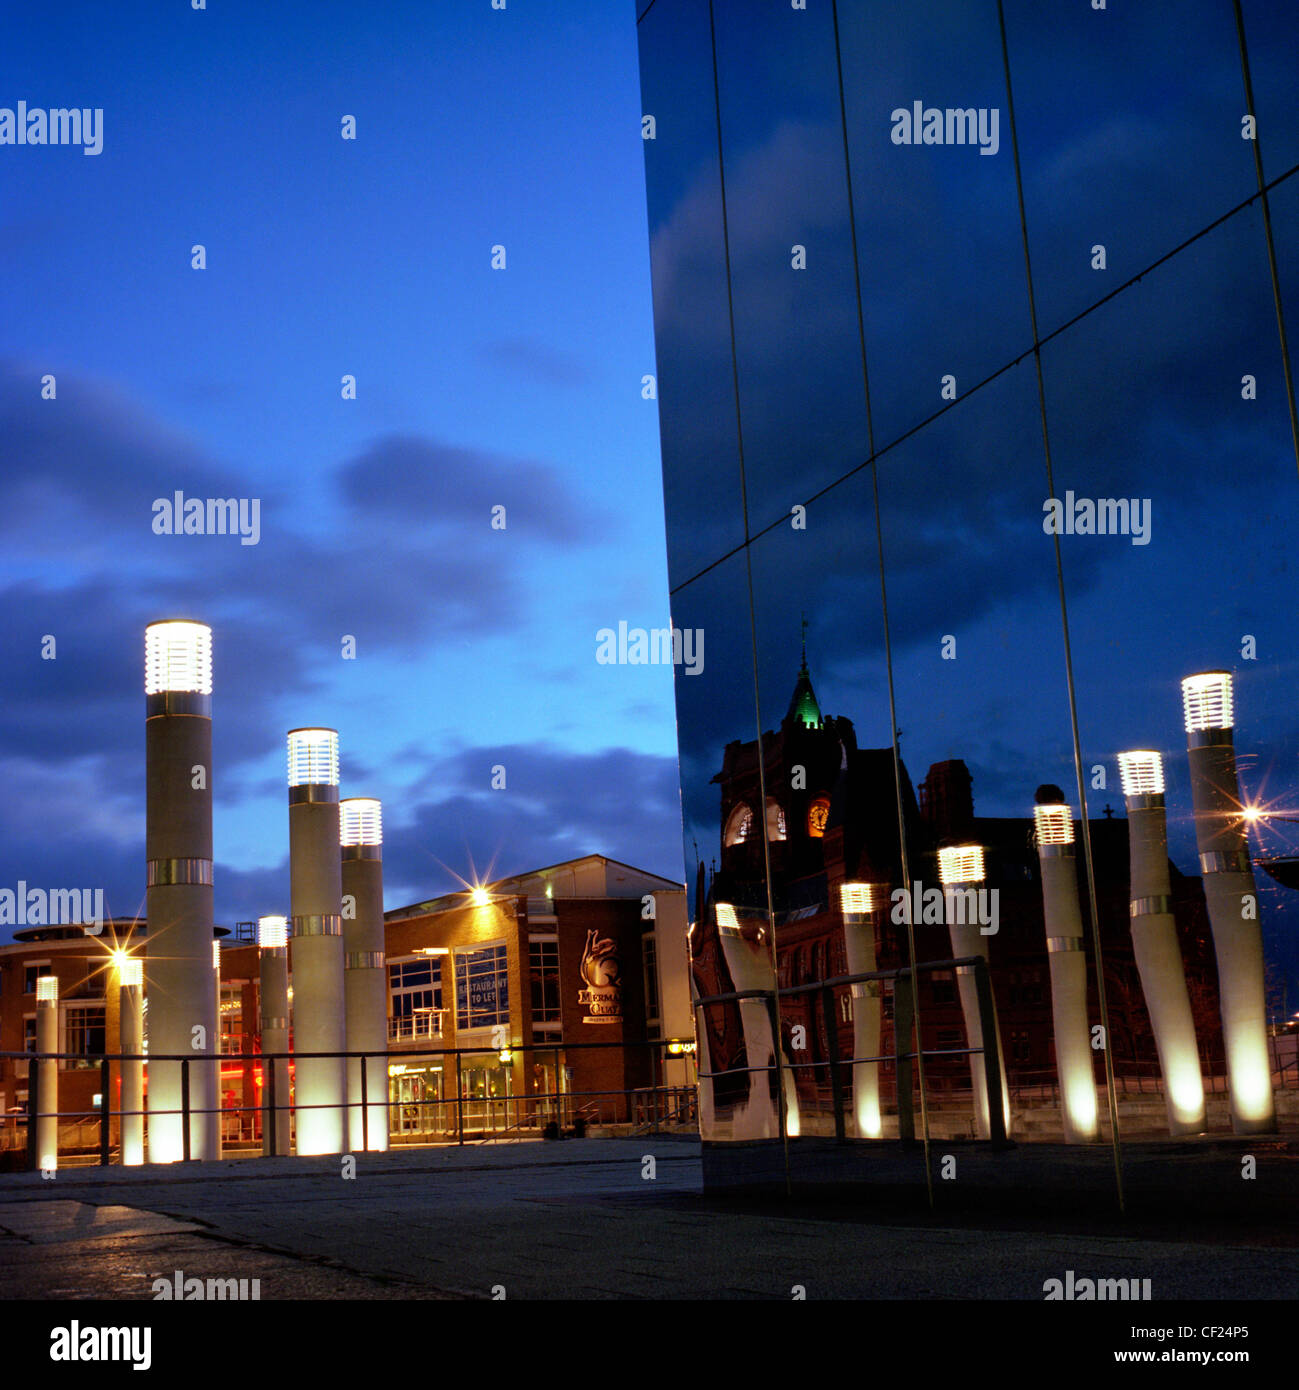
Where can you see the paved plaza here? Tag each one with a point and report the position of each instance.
(583, 1219)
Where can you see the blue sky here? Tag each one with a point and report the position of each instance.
(474, 387)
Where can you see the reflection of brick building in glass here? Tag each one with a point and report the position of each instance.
(831, 816)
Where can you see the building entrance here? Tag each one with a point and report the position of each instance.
(486, 1089)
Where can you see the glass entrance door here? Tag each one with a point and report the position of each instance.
(486, 1091)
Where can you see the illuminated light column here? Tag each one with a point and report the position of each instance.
(1154, 941)
(749, 960)
(47, 1040)
(860, 903)
(273, 940)
(960, 867)
(182, 1013)
(365, 985)
(1067, 962)
(315, 870)
(1232, 899)
(130, 978)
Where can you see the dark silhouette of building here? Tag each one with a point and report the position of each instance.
(829, 813)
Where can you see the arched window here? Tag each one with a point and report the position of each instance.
(775, 820)
(739, 826)
(818, 813)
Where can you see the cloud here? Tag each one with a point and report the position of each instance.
(537, 361)
(453, 489)
(557, 804)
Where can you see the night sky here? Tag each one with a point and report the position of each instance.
(475, 387)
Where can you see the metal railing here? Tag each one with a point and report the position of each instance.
(424, 1023)
(1132, 1079)
(901, 1058)
(460, 1118)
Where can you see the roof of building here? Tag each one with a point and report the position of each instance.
(517, 883)
(802, 705)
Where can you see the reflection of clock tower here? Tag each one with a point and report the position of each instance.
(829, 814)
(803, 763)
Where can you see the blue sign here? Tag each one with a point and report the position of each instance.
(482, 987)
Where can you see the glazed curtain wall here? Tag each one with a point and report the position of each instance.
(1141, 364)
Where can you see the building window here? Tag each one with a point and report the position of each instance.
(943, 985)
(29, 1032)
(838, 956)
(31, 973)
(818, 961)
(949, 1037)
(649, 962)
(738, 826)
(415, 987)
(1026, 987)
(543, 971)
(775, 820)
(482, 987)
(83, 1033)
(818, 816)
(1019, 1046)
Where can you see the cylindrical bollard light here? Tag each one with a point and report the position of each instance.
(273, 939)
(365, 984)
(748, 958)
(182, 1012)
(130, 979)
(47, 1041)
(1232, 898)
(1154, 941)
(861, 905)
(315, 870)
(1067, 962)
(961, 869)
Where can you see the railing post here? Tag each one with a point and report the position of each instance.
(365, 1108)
(654, 1089)
(33, 1110)
(991, 1054)
(832, 1049)
(269, 1119)
(559, 1099)
(460, 1102)
(904, 1014)
(105, 1110)
(184, 1104)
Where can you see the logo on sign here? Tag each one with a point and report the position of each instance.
(603, 996)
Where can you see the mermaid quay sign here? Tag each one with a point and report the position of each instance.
(603, 996)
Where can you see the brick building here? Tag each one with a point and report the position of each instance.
(831, 816)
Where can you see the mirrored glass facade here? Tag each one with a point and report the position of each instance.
(978, 437)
